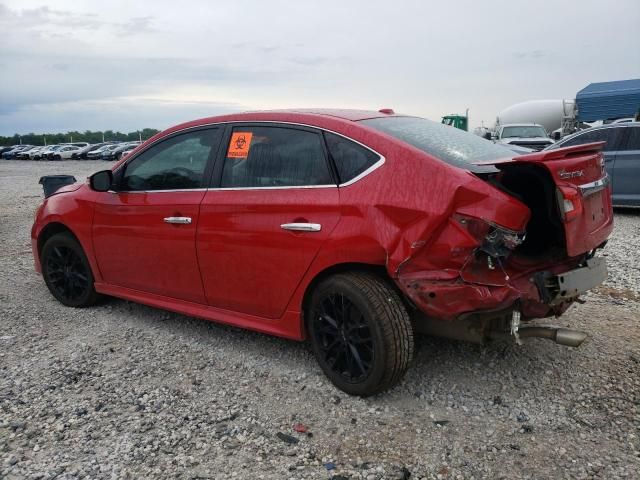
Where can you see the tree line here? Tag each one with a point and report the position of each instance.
(86, 136)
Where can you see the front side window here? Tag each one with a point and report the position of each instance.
(177, 163)
(274, 157)
(350, 158)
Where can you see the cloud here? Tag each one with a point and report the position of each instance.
(137, 26)
(531, 54)
(43, 17)
(118, 113)
(423, 59)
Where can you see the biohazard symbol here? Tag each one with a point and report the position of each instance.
(239, 145)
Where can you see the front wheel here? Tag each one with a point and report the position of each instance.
(66, 271)
(360, 333)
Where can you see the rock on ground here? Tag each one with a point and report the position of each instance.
(127, 391)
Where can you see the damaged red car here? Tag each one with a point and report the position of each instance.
(353, 229)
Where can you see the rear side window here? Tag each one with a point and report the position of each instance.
(451, 145)
(608, 135)
(259, 157)
(350, 158)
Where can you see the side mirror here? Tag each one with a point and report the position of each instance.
(556, 136)
(101, 181)
(487, 135)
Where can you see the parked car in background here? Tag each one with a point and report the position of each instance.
(116, 152)
(348, 228)
(25, 154)
(39, 154)
(6, 149)
(53, 151)
(106, 153)
(128, 150)
(44, 154)
(82, 153)
(528, 135)
(65, 152)
(12, 153)
(621, 157)
(97, 153)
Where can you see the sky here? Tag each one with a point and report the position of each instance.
(125, 65)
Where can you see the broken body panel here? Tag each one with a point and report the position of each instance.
(570, 206)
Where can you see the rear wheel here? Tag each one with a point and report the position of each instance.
(360, 333)
(57, 157)
(66, 271)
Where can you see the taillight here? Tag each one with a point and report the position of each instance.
(570, 202)
(494, 240)
(474, 226)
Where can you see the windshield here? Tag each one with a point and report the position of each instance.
(451, 145)
(524, 131)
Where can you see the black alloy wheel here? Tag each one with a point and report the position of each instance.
(360, 332)
(345, 338)
(66, 271)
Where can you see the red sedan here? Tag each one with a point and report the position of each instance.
(350, 228)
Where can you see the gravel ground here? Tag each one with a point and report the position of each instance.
(127, 391)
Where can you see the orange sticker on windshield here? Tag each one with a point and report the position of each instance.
(239, 145)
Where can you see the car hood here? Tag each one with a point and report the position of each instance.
(526, 139)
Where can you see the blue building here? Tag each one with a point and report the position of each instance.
(608, 100)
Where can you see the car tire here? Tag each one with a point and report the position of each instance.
(360, 333)
(57, 157)
(66, 271)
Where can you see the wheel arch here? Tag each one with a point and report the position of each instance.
(371, 268)
(52, 229)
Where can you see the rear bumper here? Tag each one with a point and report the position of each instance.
(537, 293)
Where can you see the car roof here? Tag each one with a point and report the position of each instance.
(300, 114)
(607, 125)
(521, 125)
(344, 113)
(317, 117)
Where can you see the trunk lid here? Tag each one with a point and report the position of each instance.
(583, 192)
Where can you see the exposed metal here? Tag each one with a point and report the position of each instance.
(580, 280)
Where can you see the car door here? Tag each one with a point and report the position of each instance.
(275, 203)
(626, 173)
(144, 232)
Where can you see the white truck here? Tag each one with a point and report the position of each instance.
(527, 135)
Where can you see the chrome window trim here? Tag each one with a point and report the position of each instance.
(373, 167)
(355, 179)
(161, 191)
(297, 187)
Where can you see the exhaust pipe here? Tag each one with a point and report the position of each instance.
(562, 336)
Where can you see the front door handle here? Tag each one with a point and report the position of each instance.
(302, 227)
(178, 220)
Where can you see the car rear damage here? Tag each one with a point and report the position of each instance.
(526, 252)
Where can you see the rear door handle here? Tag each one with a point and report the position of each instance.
(178, 220)
(302, 227)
